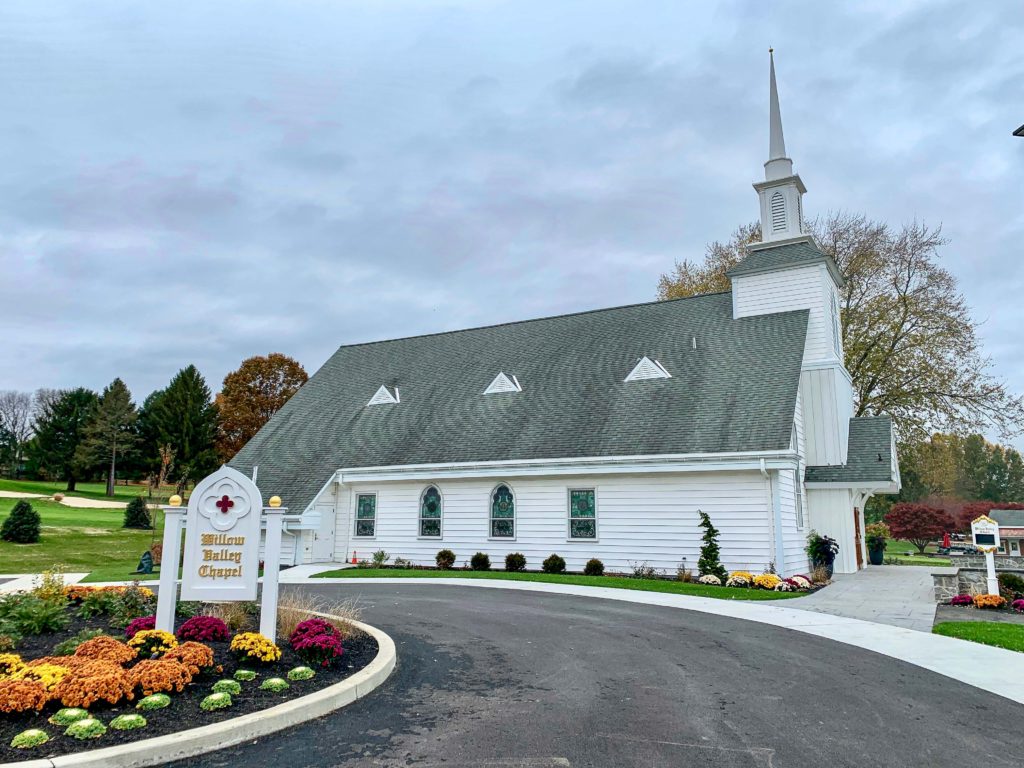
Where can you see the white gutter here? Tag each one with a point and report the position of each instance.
(774, 497)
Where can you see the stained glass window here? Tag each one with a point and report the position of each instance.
(503, 513)
(582, 514)
(430, 512)
(366, 514)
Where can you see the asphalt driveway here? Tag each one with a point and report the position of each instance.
(509, 678)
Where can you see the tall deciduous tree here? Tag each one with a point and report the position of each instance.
(15, 424)
(111, 432)
(919, 524)
(183, 417)
(911, 345)
(251, 395)
(61, 419)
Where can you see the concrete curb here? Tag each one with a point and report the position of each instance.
(208, 738)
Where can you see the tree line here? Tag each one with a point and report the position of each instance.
(178, 435)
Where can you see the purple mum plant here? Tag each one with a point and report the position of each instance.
(204, 629)
(962, 600)
(137, 625)
(1017, 606)
(319, 649)
(311, 628)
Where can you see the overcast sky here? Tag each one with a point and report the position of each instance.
(197, 182)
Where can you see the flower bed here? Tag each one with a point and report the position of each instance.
(149, 684)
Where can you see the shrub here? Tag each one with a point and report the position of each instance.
(152, 642)
(159, 675)
(643, 570)
(480, 562)
(33, 737)
(1011, 585)
(138, 625)
(108, 649)
(33, 616)
(227, 686)
(22, 525)
(9, 637)
(1017, 606)
(274, 684)
(187, 609)
(709, 563)
(50, 585)
(22, 695)
(129, 722)
(216, 701)
(876, 534)
(69, 646)
(767, 581)
(710, 578)
(445, 559)
(94, 680)
(196, 656)
(683, 573)
(300, 673)
(553, 564)
(594, 567)
(68, 715)
(136, 514)
(821, 550)
(97, 603)
(254, 647)
(156, 701)
(319, 649)
(204, 629)
(245, 675)
(131, 603)
(89, 728)
(515, 562)
(989, 601)
(380, 557)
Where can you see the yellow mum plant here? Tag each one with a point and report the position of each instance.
(767, 581)
(742, 575)
(150, 642)
(49, 675)
(254, 647)
(10, 663)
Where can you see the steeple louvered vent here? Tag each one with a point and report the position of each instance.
(648, 369)
(778, 212)
(503, 383)
(385, 395)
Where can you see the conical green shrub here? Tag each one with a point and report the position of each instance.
(22, 525)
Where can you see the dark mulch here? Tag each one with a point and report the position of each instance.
(184, 711)
(946, 612)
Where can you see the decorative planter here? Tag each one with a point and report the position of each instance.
(876, 555)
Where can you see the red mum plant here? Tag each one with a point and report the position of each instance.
(139, 624)
(311, 628)
(204, 629)
(319, 649)
(1017, 606)
(962, 600)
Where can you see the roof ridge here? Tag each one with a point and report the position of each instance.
(532, 320)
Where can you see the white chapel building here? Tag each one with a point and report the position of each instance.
(597, 434)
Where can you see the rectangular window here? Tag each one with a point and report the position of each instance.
(799, 493)
(366, 514)
(582, 513)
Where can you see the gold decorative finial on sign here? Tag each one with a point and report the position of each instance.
(275, 501)
(175, 500)
(771, 50)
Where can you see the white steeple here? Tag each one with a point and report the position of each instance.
(781, 191)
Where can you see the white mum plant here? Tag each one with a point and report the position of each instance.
(736, 581)
(710, 579)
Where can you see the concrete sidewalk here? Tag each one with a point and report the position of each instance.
(899, 595)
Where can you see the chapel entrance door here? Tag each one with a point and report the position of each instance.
(858, 544)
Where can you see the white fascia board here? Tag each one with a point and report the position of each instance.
(862, 486)
(785, 460)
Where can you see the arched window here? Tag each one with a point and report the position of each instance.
(503, 513)
(778, 206)
(430, 513)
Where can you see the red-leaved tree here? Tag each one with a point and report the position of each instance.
(918, 524)
(976, 509)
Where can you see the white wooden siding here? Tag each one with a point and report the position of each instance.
(289, 549)
(832, 515)
(827, 408)
(639, 518)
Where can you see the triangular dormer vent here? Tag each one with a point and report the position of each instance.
(648, 369)
(385, 395)
(503, 383)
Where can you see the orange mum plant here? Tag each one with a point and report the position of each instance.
(95, 681)
(158, 675)
(107, 649)
(989, 601)
(193, 655)
(22, 695)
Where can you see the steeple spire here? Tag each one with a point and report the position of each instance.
(781, 190)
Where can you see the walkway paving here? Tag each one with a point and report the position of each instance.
(900, 595)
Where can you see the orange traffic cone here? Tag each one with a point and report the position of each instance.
(354, 561)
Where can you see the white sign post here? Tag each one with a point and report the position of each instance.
(985, 533)
(222, 548)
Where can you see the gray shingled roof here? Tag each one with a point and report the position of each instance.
(869, 455)
(735, 392)
(1008, 518)
(793, 254)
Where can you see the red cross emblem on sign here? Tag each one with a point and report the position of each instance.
(224, 504)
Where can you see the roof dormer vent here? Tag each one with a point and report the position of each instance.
(385, 395)
(648, 369)
(503, 383)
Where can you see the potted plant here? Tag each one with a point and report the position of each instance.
(876, 535)
(822, 551)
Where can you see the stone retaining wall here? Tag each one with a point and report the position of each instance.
(972, 578)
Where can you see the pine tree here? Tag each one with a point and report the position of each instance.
(709, 564)
(22, 525)
(136, 514)
(60, 429)
(111, 432)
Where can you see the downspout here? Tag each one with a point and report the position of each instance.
(775, 500)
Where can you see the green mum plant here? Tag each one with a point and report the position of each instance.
(33, 737)
(128, 722)
(274, 684)
(89, 728)
(300, 673)
(156, 701)
(227, 686)
(216, 701)
(68, 715)
(245, 675)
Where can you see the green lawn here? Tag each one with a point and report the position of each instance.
(82, 540)
(616, 582)
(896, 549)
(85, 490)
(1010, 636)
